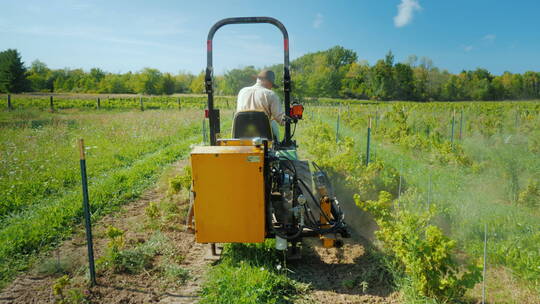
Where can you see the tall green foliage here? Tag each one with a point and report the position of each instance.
(12, 72)
(421, 250)
(236, 79)
(335, 73)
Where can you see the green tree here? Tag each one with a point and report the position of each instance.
(114, 83)
(355, 83)
(382, 78)
(421, 81)
(12, 72)
(404, 82)
(167, 84)
(147, 81)
(197, 85)
(183, 81)
(39, 77)
(236, 79)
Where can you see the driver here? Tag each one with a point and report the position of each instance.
(260, 97)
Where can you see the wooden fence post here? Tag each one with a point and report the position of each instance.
(51, 103)
(98, 103)
(9, 105)
(141, 101)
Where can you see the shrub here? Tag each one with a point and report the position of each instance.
(530, 197)
(421, 250)
(152, 211)
(182, 181)
(175, 273)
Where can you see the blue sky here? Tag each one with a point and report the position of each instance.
(119, 36)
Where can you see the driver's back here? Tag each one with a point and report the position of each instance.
(259, 98)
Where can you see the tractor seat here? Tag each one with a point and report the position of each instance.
(250, 124)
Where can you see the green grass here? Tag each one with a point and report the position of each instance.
(126, 152)
(250, 273)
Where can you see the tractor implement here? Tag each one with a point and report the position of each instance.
(253, 186)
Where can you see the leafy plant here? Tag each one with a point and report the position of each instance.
(180, 182)
(423, 252)
(59, 286)
(530, 197)
(248, 273)
(175, 273)
(152, 211)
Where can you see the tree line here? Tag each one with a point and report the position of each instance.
(336, 72)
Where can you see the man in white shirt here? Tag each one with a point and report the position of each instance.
(260, 97)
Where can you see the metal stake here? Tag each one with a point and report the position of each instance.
(484, 270)
(429, 190)
(453, 124)
(86, 213)
(368, 142)
(399, 188)
(376, 118)
(337, 128)
(461, 125)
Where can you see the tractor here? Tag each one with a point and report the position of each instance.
(252, 186)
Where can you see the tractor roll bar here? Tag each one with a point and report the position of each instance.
(213, 115)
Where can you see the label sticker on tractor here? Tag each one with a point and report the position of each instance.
(253, 158)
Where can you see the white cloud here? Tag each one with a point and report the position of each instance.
(319, 18)
(406, 11)
(489, 37)
(468, 48)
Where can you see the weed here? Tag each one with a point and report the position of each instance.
(152, 211)
(60, 285)
(248, 273)
(530, 197)
(179, 182)
(175, 274)
(56, 265)
(131, 260)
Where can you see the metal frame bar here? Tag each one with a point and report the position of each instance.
(213, 115)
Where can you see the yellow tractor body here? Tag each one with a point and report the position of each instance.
(228, 190)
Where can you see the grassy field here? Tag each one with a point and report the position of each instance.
(471, 164)
(40, 177)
